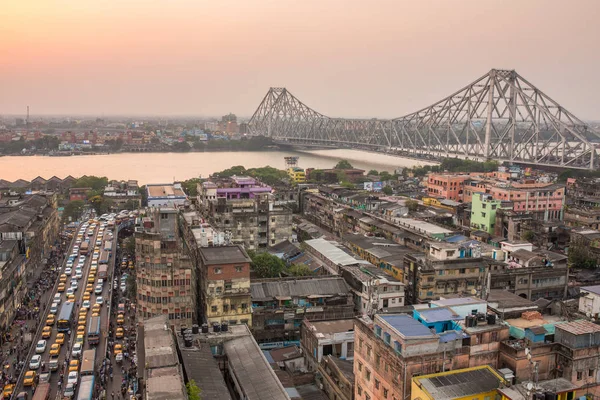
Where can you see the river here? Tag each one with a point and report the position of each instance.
(167, 167)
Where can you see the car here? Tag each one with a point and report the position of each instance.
(89, 287)
(61, 287)
(63, 278)
(46, 332)
(96, 308)
(60, 338)
(55, 349)
(118, 348)
(35, 362)
(40, 347)
(69, 264)
(119, 333)
(76, 349)
(54, 308)
(74, 285)
(71, 297)
(115, 285)
(74, 365)
(29, 378)
(68, 271)
(78, 275)
(70, 291)
(86, 297)
(99, 300)
(120, 319)
(79, 339)
(119, 357)
(45, 377)
(8, 390)
(95, 314)
(69, 392)
(98, 289)
(56, 298)
(100, 282)
(50, 319)
(82, 320)
(85, 304)
(72, 378)
(80, 330)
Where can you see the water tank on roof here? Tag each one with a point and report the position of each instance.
(195, 329)
(216, 327)
(491, 319)
(224, 327)
(183, 328)
(204, 328)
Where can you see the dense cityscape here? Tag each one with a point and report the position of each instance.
(266, 200)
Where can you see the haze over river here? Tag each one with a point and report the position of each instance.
(167, 167)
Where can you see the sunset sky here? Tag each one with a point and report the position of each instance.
(344, 58)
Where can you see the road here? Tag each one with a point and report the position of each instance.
(65, 355)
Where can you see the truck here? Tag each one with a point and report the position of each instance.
(84, 248)
(93, 333)
(42, 392)
(102, 271)
(108, 245)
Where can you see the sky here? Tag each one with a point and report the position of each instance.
(344, 58)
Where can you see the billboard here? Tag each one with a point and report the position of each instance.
(368, 186)
(377, 186)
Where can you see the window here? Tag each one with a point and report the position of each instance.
(397, 346)
(213, 309)
(378, 330)
(219, 289)
(239, 268)
(244, 306)
(386, 337)
(385, 393)
(233, 307)
(368, 351)
(591, 373)
(367, 397)
(227, 285)
(377, 384)
(225, 307)
(359, 366)
(368, 374)
(218, 270)
(359, 390)
(360, 343)
(579, 375)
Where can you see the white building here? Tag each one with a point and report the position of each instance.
(589, 302)
(165, 195)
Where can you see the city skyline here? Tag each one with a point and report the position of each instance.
(346, 59)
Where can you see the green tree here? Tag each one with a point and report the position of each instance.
(193, 391)
(131, 205)
(229, 172)
(144, 193)
(343, 164)
(373, 172)
(412, 205)
(579, 257)
(385, 176)
(299, 270)
(387, 190)
(528, 236)
(266, 265)
(100, 204)
(94, 182)
(129, 245)
(190, 187)
(73, 209)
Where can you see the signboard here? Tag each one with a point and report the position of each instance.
(377, 186)
(368, 186)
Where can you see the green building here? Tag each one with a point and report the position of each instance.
(483, 212)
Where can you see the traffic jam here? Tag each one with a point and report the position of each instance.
(79, 343)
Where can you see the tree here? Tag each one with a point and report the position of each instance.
(190, 187)
(266, 265)
(373, 172)
(299, 270)
(412, 205)
(129, 245)
(94, 182)
(385, 176)
(343, 164)
(528, 236)
(100, 204)
(131, 205)
(193, 390)
(387, 190)
(73, 209)
(579, 257)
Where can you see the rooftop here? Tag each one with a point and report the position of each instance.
(224, 255)
(268, 290)
(519, 392)
(250, 368)
(328, 328)
(165, 384)
(333, 253)
(457, 301)
(459, 383)
(422, 226)
(162, 190)
(406, 325)
(580, 327)
(159, 346)
(503, 299)
(438, 314)
(591, 289)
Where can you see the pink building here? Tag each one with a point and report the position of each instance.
(447, 186)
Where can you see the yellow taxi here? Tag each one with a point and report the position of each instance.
(119, 333)
(96, 307)
(50, 320)
(79, 339)
(55, 349)
(81, 330)
(120, 319)
(61, 287)
(118, 349)
(74, 366)
(8, 390)
(93, 269)
(86, 296)
(60, 338)
(63, 278)
(89, 288)
(70, 297)
(82, 320)
(29, 378)
(83, 312)
(91, 278)
(46, 332)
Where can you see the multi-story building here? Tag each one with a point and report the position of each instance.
(224, 280)
(245, 211)
(337, 377)
(166, 279)
(323, 338)
(447, 186)
(589, 302)
(166, 195)
(373, 289)
(124, 194)
(483, 212)
(470, 383)
(280, 305)
(296, 174)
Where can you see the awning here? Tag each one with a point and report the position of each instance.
(317, 296)
(283, 297)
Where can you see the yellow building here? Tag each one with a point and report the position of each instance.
(476, 383)
(297, 175)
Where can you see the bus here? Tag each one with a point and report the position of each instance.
(87, 362)
(65, 316)
(42, 392)
(103, 271)
(93, 333)
(104, 256)
(85, 247)
(85, 388)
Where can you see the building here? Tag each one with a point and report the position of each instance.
(224, 279)
(337, 378)
(372, 288)
(332, 254)
(124, 195)
(165, 279)
(245, 211)
(280, 305)
(297, 175)
(483, 212)
(79, 194)
(589, 302)
(165, 195)
(324, 338)
(162, 371)
(558, 388)
(446, 186)
(586, 241)
(463, 384)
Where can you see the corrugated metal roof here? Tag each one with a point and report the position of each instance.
(406, 325)
(298, 288)
(333, 253)
(460, 383)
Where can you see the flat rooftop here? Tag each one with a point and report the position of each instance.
(438, 314)
(160, 190)
(159, 345)
(251, 370)
(333, 253)
(165, 384)
(332, 327)
(406, 325)
(459, 383)
(422, 226)
(458, 301)
(224, 255)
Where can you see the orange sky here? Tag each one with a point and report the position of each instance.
(381, 58)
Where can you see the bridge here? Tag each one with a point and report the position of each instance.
(500, 116)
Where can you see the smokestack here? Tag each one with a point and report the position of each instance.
(27, 119)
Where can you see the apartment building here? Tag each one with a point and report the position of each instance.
(447, 186)
(327, 338)
(166, 195)
(483, 212)
(372, 288)
(166, 279)
(224, 279)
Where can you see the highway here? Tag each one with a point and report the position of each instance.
(65, 350)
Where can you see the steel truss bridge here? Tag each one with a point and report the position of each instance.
(500, 116)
